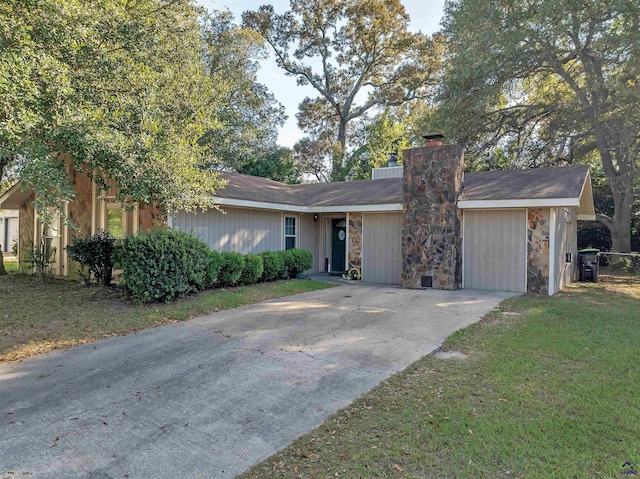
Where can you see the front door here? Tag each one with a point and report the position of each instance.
(338, 245)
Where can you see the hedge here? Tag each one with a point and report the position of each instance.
(297, 260)
(162, 265)
(253, 268)
(273, 265)
(231, 269)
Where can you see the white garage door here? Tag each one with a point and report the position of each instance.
(382, 247)
(495, 250)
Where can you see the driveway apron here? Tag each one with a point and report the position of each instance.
(212, 396)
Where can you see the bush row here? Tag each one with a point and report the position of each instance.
(166, 264)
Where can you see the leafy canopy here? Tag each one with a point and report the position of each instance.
(357, 55)
(543, 81)
(247, 113)
(121, 87)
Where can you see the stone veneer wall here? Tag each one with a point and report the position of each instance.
(538, 220)
(431, 234)
(355, 240)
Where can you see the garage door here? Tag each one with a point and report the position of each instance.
(495, 250)
(382, 247)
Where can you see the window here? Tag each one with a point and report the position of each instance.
(289, 232)
(115, 223)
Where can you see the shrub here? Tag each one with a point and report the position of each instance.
(253, 268)
(297, 260)
(273, 265)
(283, 272)
(213, 270)
(94, 253)
(231, 269)
(162, 265)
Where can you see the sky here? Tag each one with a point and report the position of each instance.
(425, 16)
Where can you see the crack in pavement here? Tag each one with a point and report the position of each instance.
(343, 322)
(353, 368)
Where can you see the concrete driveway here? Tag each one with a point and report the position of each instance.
(213, 396)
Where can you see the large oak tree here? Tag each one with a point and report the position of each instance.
(120, 86)
(543, 80)
(357, 55)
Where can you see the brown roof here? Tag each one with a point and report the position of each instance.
(535, 183)
(370, 192)
(538, 183)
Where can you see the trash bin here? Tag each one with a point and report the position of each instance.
(588, 265)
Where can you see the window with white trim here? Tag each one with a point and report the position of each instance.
(289, 232)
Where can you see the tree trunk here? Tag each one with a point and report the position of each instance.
(338, 170)
(3, 271)
(621, 223)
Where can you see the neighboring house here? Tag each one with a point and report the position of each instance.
(93, 209)
(8, 229)
(424, 225)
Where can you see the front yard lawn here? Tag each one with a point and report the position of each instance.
(550, 389)
(40, 317)
(10, 265)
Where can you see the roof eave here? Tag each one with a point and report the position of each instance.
(262, 205)
(586, 207)
(14, 197)
(518, 203)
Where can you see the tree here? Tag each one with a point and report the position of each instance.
(546, 81)
(277, 165)
(246, 112)
(357, 54)
(121, 87)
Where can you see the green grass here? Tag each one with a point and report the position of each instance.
(549, 390)
(40, 317)
(10, 265)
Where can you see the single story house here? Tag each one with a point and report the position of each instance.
(8, 230)
(425, 224)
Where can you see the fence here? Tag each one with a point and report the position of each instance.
(619, 266)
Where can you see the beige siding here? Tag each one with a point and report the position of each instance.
(382, 247)
(241, 230)
(308, 237)
(494, 250)
(565, 241)
(388, 172)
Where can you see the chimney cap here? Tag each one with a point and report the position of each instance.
(433, 137)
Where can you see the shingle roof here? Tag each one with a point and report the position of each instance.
(539, 183)
(252, 188)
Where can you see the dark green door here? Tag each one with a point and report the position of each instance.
(338, 245)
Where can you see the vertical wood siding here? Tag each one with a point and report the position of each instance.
(495, 249)
(308, 232)
(566, 241)
(241, 230)
(382, 247)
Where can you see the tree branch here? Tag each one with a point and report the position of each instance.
(605, 221)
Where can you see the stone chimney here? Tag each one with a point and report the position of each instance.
(431, 234)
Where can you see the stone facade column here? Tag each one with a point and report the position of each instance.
(355, 240)
(431, 234)
(538, 223)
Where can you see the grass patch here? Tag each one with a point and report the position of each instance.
(40, 317)
(549, 390)
(10, 265)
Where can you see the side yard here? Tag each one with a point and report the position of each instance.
(39, 317)
(549, 389)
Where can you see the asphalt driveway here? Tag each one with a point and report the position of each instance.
(212, 396)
